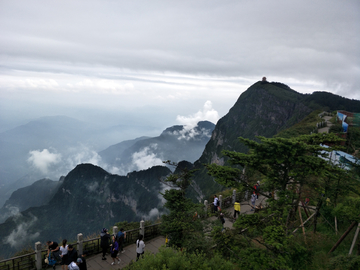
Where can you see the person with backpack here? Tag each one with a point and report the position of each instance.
(54, 248)
(104, 242)
(120, 238)
(257, 189)
(140, 246)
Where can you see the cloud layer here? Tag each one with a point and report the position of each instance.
(130, 61)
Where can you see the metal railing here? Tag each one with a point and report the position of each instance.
(92, 246)
(227, 202)
(26, 261)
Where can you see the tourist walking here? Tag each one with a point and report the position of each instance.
(216, 204)
(114, 251)
(140, 246)
(236, 208)
(104, 242)
(253, 200)
(120, 238)
(222, 219)
(64, 254)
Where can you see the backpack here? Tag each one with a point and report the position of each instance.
(51, 260)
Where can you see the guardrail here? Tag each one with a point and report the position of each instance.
(26, 261)
(92, 246)
(229, 201)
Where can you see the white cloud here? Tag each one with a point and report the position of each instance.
(82, 154)
(43, 159)
(191, 121)
(207, 113)
(20, 233)
(146, 158)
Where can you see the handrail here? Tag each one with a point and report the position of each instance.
(15, 262)
(18, 257)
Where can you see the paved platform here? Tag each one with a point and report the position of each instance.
(245, 208)
(95, 262)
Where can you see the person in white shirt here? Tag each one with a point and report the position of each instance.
(253, 200)
(140, 246)
(216, 204)
(63, 254)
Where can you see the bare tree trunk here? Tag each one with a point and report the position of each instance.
(354, 240)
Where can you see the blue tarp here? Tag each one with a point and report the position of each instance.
(342, 158)
(342, 117)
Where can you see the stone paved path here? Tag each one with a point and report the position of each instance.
(329, 124)
(245, 208)
(153, 245)
(95, 262)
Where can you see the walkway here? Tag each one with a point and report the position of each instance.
(153, 245)
(245, 208)
(95, 262)
(328, 125)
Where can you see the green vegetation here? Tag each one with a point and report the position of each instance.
(174, 259)
(182, 225)
(304, 127)
(289, 167)
(353, 140)
(265, 240)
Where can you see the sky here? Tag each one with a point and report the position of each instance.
(161, 63)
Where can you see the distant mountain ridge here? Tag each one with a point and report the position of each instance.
(37, 194)
(264, 109)
(52, 146)
(91, 196)
(88, 199)
(175, 143)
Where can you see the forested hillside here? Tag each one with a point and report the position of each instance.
(264, 109)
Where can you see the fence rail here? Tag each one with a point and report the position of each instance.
(228, 201)
(26, 261)
(92, 246)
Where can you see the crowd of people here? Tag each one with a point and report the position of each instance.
(68, 257)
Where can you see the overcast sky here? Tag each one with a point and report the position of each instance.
(161, 63)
